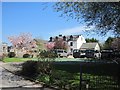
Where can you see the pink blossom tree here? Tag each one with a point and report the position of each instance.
(23, 41)
(50, 45)
(57, 44)
(60, 44)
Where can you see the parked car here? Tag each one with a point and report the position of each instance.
(82, 53)
(61, 52)
(86, 53)
(93, 54)
(78, 53)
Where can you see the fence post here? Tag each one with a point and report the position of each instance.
(80, 88)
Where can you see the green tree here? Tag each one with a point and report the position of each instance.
(105, 16)
(108, 43)
(91, 40)
(116, 44)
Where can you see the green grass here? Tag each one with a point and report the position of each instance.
(69, 59)
(16, 59)
(35, 59)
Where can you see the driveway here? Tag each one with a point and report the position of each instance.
(10, 81)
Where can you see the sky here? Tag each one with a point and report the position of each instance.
(41, 21)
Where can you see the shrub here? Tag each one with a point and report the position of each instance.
(62, 79)
(1, 57)
(11, 54)
(45, 65)
(45, 61)
(26, 55)
(30, 68)
(47, 55)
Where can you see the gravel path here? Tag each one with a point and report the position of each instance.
(14, 82)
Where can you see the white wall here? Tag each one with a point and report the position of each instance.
(73, 47)
(80, 41)
(97, 47)
(4, 48)
(76, 44)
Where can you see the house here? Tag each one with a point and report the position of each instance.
(90, 46)
(91, 50)
(73, 41)
(5, 48)
(33, 51)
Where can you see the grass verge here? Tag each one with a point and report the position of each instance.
(16, 59)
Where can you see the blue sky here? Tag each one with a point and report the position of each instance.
(30, 17)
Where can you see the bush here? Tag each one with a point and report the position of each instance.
(47, 55)
(11, 54)
(30, 68)
(62, 79)
(1, 57)
(26, 55)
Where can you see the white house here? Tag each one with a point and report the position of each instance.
(90, 46)
(73, 41)
(5, 48)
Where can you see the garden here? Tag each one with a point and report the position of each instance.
(50, 70)
(69, 74)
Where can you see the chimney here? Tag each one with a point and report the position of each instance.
(60, 35)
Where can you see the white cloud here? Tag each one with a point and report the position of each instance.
(74, 30)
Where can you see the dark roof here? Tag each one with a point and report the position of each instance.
(75, 37)
(88, 45)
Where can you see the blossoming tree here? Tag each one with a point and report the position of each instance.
(50, 45)
(57, 44)
(22, 42)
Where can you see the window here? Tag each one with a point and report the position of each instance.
(50, 39)
(71, 49)
(71, 37)
(65, 51)
(60, 51)
(35, 51)
(64, 38)
(71, 43)
(3, 48)
(56, 38)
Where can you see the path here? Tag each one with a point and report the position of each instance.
(11, 81)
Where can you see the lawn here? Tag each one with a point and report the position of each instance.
(17, 59)
(35, 59)
(92, 70)
(90, 67)
(70, 59)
